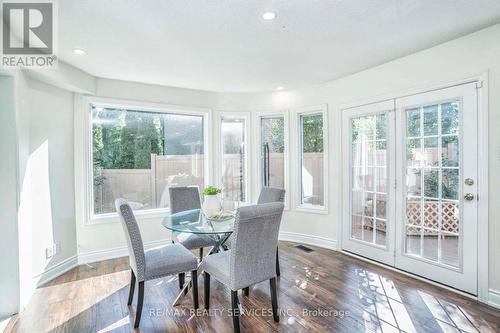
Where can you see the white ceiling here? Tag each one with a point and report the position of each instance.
(225, 45)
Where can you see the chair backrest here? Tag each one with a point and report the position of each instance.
(133, 236)
(184, 198)
(253, 247)
(271, 194)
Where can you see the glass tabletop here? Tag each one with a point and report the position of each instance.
(195, 222)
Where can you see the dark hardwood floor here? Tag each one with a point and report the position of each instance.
(319, 291)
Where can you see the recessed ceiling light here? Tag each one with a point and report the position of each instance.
(79, 51)
(268, 16)
(279, 88)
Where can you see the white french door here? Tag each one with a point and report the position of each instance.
(437, 204)
(429, 223)
(368, 181)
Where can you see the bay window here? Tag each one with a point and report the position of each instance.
(272, 150)
(234, 169)
(312, 147)
(138, 153)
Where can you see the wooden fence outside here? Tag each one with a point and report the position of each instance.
(148, 188)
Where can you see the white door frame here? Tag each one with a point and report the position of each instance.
(483, 167)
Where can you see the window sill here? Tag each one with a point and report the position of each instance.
(312, 209)
(149, 214)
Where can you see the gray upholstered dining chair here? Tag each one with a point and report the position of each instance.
(153, 263)
(251, 258)
(271, 194)
(267, 195)
(183, 199)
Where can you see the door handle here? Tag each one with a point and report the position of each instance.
(469, 181)
(469, 196)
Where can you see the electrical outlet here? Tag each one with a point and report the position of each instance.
(53, 250)
(49, 252)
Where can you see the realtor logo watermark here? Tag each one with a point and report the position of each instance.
(29, 34)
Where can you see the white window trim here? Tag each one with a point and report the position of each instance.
(308, 110)
(218, 149)
(83, 152)
(258, 146)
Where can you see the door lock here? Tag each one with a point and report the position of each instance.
(469, 181)
(469, 196)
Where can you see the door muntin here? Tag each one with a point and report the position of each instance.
(369, 178)
(433, 212)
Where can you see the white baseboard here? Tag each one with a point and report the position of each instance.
(324, 242)
(494, 298)
(116, 252)
(56, 270)
(122, 251)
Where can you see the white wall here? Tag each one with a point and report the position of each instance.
(9, 277)
(46, 181)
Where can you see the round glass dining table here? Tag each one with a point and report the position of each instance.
(195, 222)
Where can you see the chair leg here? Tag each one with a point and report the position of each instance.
(246, 291)
(236, 311)
(194, 280)
(207, 290)
(278, 273)
(140, 299)
(132, 287)
(274, 299)
(181, 280)
(201, 253)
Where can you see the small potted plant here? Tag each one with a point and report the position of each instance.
(211, 205)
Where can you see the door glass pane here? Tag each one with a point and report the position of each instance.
(430, 120)
(413, 123)
(449, 151)
(413, 243)
(432, 183)
(272, 151)
(312, 156)
(233, 160)
(430, 244)
(450, 246)
(369, 178)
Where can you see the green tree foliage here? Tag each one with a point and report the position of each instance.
(125, 139)
(312, 129)
(139, 138)
(278, 135)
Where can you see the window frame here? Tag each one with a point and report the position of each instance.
(248, 149)
(258, 144)
(83, 152)
(299, 206)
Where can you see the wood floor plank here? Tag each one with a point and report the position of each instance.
(319, 291)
